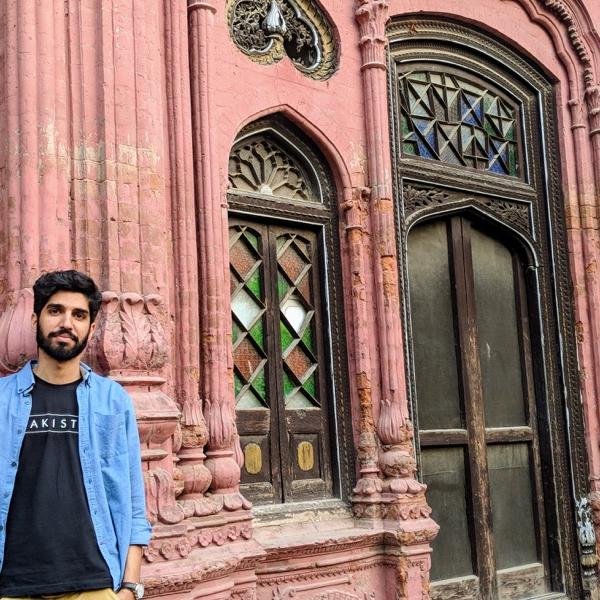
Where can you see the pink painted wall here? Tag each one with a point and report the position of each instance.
(97, 172)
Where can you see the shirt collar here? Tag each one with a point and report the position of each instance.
(25, 378)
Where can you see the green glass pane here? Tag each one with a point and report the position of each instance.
(255, 284)
(488, 103)
(510, 131)
(252, 238)
(237, 384)
(286, 337)
(288, 385)
(512, 160)
(410, 148)
(259, 384)
(257, 333)
(489, 128)
(307, 338)
(406, 130)
(235, 332)
(310, 385)
(282, 285)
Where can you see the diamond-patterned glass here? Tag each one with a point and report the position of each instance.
(248, 315)
(447, 118)
(296, 322)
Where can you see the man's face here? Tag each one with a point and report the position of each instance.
(64, 325)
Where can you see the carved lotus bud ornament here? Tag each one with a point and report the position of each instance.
(17, 339)
(269, 30)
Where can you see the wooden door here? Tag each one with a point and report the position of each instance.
(280, 367)
(476, 412)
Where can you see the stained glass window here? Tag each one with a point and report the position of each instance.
(277, 337)
(248, 312)
(445, 117)
(296, 321)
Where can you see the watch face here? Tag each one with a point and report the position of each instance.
(139, 591)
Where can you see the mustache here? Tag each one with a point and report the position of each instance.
(64, 332)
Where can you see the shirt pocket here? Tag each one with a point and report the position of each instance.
(110, 435)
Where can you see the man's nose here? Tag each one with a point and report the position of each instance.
(67, 320)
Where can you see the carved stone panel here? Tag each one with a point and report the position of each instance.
(268, 30)
(420, 200)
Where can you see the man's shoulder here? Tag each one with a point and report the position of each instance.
(108, 389)
(7, 381)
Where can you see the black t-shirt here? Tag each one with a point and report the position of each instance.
(51, 547)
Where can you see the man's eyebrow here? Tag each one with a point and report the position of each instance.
(62, 306)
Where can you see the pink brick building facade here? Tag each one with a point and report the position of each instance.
(348, 248)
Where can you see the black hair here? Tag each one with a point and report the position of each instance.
(68, 281)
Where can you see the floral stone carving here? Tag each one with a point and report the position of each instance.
(268, 30)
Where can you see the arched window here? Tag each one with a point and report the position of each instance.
(487, 310)
(286, 325)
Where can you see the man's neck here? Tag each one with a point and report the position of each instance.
(52, 371)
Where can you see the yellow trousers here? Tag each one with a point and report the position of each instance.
(104, 594)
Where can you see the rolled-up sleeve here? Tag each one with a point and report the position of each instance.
(141, 531)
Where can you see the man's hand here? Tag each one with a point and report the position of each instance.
(125, 594)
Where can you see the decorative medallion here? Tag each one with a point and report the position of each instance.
(268, 30)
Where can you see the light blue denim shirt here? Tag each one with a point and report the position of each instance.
(109, 450)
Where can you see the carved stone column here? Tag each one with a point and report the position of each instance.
(121, 214)
(403, 498)
(367, 493)
(216, 360)
(130, 347)
(34, 165)
(194, 433)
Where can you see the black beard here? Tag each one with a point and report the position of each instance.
(60, 353)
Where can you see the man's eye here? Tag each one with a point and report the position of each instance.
(79, 316)
(53, 310)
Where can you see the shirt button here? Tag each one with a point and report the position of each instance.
(1, 527)
(19, 431)
(27, 402)
(13, 463)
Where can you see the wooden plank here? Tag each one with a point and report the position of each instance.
(470, 373)
(498, 435)
(443, 437)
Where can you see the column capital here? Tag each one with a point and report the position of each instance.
(205, 4)
(372, 17)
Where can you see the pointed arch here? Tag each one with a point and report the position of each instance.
(337, 165)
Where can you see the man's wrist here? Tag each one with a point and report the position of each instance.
(136, 588)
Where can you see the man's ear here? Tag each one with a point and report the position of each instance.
(92, 329)
(34, 320)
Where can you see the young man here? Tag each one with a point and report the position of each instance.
(72, 507)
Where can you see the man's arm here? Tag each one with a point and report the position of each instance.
(132, 573)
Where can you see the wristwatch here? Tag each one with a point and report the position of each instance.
(136, 588)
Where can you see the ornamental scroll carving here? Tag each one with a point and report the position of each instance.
(512, 212)
(261, 166)
(268, 30)
(131, 335)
